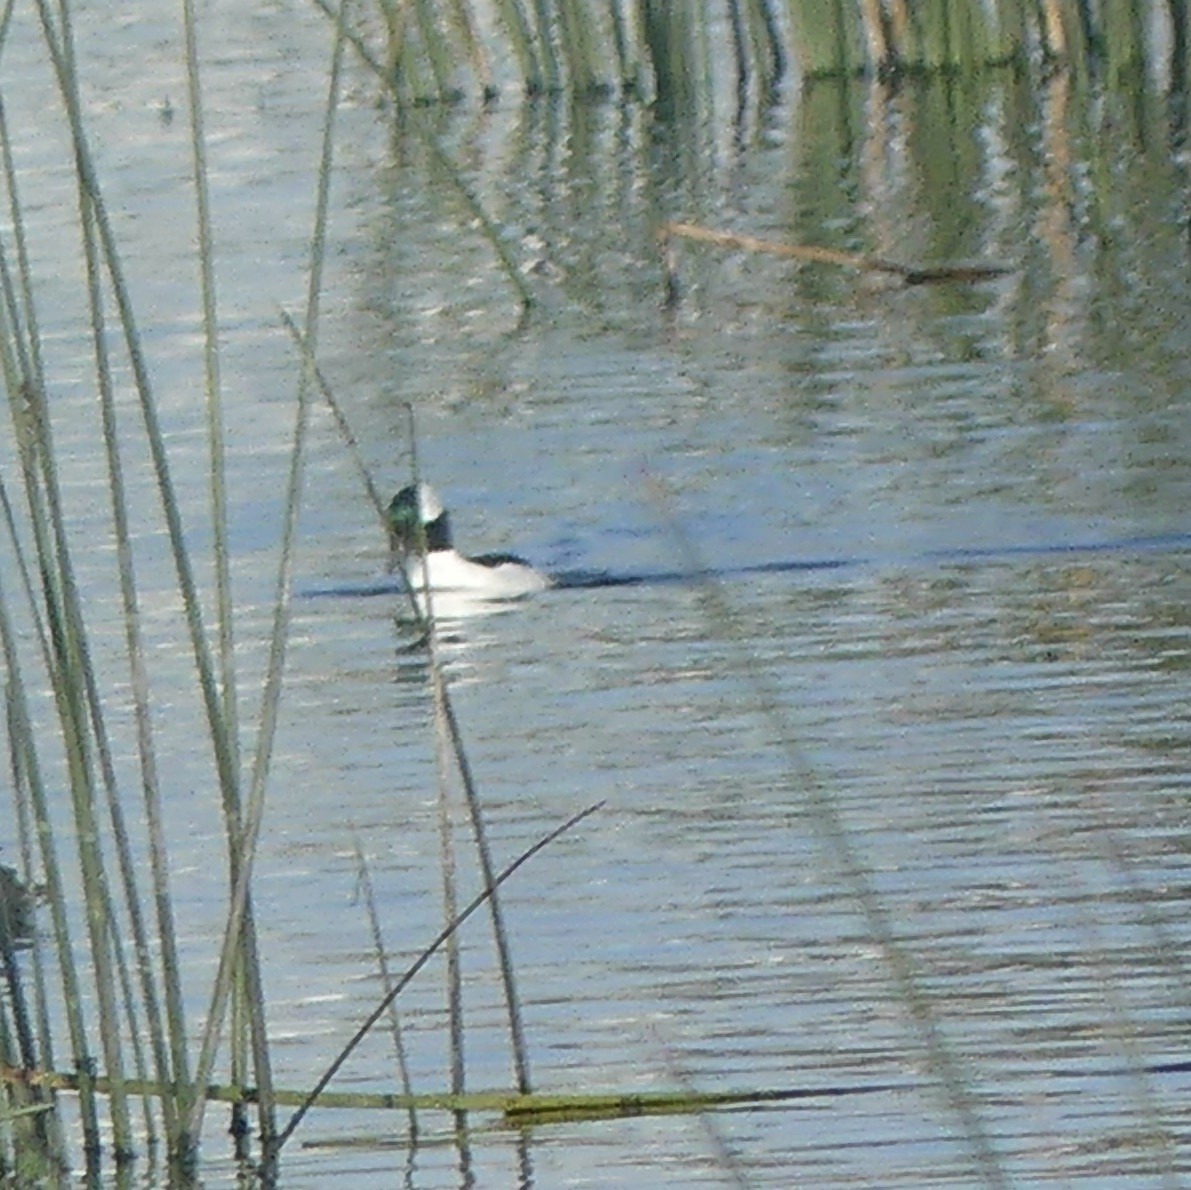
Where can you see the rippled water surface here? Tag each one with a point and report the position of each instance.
(908, 778)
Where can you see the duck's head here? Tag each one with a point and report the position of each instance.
(417, 521)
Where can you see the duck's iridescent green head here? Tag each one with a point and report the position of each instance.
(418, 520)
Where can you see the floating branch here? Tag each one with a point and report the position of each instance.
(546, 1109)
(910, 274)
(517, 1109)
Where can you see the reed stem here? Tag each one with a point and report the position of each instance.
(421, 961)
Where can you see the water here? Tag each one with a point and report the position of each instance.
(952, 617)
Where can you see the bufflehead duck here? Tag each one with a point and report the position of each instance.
(418, 520)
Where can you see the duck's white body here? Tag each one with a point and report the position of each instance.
(449, 570)
(420, 531)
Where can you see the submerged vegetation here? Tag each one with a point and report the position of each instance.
(101, 992)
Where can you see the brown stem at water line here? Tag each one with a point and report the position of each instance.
(812, 253)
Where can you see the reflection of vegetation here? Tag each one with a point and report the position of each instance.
(928, 161)
(1066, 177)
(666, 50)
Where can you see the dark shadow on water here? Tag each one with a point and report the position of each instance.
(585, 580)
(572, 580)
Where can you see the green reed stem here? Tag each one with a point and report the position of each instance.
(216, 725)
(1180, 45)
(167, 1066)
(577, 37)
(442, 161)
(544, 30)
(341, 422)
(249, 1014)
(25, 781)
(1123, 41)
(977, 44)
(500, 933)
(448, 868)
(228, 778)
(271, 695)
(421, 961)
(166, 1063)
(628, 69)
(28, 783)
(33, 818)
(6, 21)
(449, 740)
(136, 1034)
(446, 835)
(356, 39)
(411, 85)
(933, 20)
(394, 19)
(438, 52)
(671, 38)
(17, 1044)
(1012, 37)
(213, 387)
(739, 45)
(72, 683)
(770, 46)
(39, 1054)
(517, 30)
(826, 36)
(463, 25)
(70, 667)
(364, 883)
(352, 443)
(26, 341)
